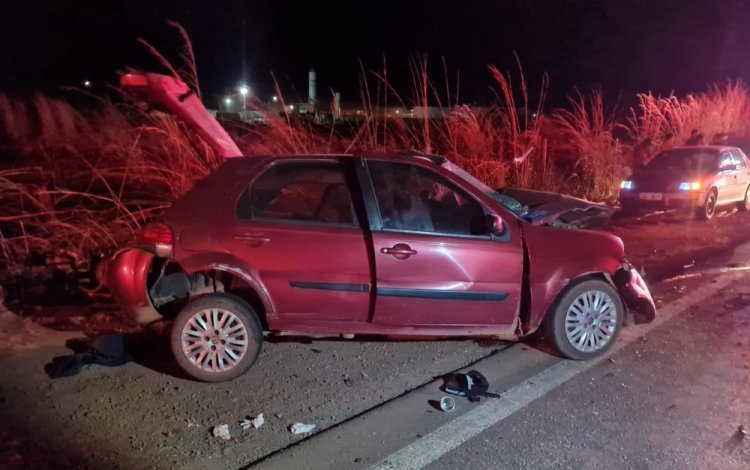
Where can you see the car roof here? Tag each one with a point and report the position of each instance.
(403, 156)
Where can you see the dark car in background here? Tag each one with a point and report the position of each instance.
(699, 179)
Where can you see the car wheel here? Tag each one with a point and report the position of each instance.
(216, 337)
(708, 209)
(744, 204)
(586, 320)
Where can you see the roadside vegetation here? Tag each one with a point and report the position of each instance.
(77, 178)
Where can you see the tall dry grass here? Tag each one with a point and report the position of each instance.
(84, 179)
(597, 162)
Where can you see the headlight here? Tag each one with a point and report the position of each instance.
(690, 186)
(627, 184)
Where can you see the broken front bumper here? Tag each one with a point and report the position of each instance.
(126, 274)
(635, 294)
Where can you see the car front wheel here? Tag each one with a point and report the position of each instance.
(586, 320)
(216, 337)
(707, 210)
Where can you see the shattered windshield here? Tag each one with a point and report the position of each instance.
(508, 202)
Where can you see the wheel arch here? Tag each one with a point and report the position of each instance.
(233, 277)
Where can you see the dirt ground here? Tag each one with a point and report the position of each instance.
(146, 414)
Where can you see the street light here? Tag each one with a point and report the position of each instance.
(244, 91)
(274, 98)
(228, 102)
(87, 84)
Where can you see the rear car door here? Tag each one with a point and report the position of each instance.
(432, 266)
(296, 227)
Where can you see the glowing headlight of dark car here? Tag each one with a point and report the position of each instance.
(627, 184)
(690, 186)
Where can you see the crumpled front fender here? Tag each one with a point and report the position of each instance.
(635, 294)
(126, 275)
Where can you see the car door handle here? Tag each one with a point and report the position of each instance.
(399, 251)
(252, 240)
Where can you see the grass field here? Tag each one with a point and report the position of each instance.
(78, 178)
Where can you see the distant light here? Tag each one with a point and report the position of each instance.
(626, 185)
(398, 112)
(275, 98)
(87, 83)
(227, 101)
(291, 106)
(244, 90)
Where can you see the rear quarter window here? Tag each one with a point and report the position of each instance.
(315, 192)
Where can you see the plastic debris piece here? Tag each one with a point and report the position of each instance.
(301, 428)
(447, 404)
(222, 432)
(256, 422)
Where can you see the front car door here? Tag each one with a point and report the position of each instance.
(742, 174)
(726, 181)
(297, 229)
(433, 267)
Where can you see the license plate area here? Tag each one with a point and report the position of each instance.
(651, 196)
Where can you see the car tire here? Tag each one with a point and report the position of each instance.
(744, 205)
(216, 337)
(708, 209)
(585, 321)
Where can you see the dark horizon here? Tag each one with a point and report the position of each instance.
(621, 48)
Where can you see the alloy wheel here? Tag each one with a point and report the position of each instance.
(591, 321)
(214, 340)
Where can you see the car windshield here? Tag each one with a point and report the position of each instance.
(511, 204)
(685, 160)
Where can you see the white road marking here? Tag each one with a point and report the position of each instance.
(451, 435)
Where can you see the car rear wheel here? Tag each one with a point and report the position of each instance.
(586, 320)
(708, 209)
(744, 204)
(216, 337)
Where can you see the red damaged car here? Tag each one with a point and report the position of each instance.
(395, 245)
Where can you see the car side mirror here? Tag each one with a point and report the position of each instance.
(491, 224)
(494, 224)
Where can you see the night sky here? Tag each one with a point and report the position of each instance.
(619, 46)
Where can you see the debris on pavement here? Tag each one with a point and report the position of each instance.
(301, 428)
(741, 431)
(222, 432)
(447, 404)
(472, 385)
(249, 422)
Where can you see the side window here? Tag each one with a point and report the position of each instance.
(739, 159)
(726, 160)
(299, 191)
(412, 198)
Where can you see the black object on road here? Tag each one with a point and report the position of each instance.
(107, 350)
(472, 385)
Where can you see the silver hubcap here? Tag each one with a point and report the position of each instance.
(214, 340)
(591, 321)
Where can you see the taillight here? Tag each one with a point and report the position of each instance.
(157, 238)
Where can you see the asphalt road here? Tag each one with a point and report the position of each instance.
(676, 399)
